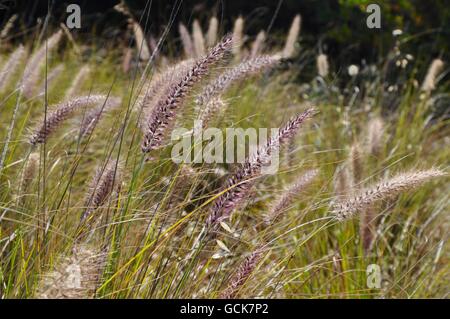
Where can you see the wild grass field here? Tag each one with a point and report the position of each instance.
(92, 205)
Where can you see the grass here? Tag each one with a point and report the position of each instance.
(141, 240)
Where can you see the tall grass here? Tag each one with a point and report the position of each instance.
(86, 212)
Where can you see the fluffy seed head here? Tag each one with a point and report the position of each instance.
(78, 81)
(158, 86)
(343, 181)
(60, 113)
(322, 65)
(429, 84)
(238, 36)
(242, 274)
(345, 209)
(29, 172)
(74, 277)
(107, 180)
(226, 79)
(36, 62)
(355, 160)
(288, 196)
(186, 39)
(214, 106)
(291, 40)
(213, 29)
(141, 43)
(10, 66)
(197, 36)
(375, 131)
(164, 112)
(51, 77)
(92, 117)
(8, 26)
(238, 186)
(258, 44)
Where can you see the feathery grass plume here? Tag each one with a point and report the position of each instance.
(153, 44)
(188, 45)
(355, 160)
(213, 29)
(35, 63)
(367, 227)
(243, 272)
(106, 181)
(158, 86)
(92, 117)
(257, 45)
(238, 186)
(291, 40)
(70, 38)
(51, 77)
(348, 208)
(343, 181)
(229, 77)
(238, 37)
(74, 277)
(61, 112)
(375, 130)
(122, 8)
(78, 81)
(215, 105)
(164, 112)
(322, 65)
(8, 26)
(126, 61)
(288, 196)
(139, 38)
(10, 66)
(197, 37)
(29, 172)
(429, 83)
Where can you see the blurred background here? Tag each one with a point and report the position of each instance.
(337, 26)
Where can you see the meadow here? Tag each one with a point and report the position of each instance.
(92, 205)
